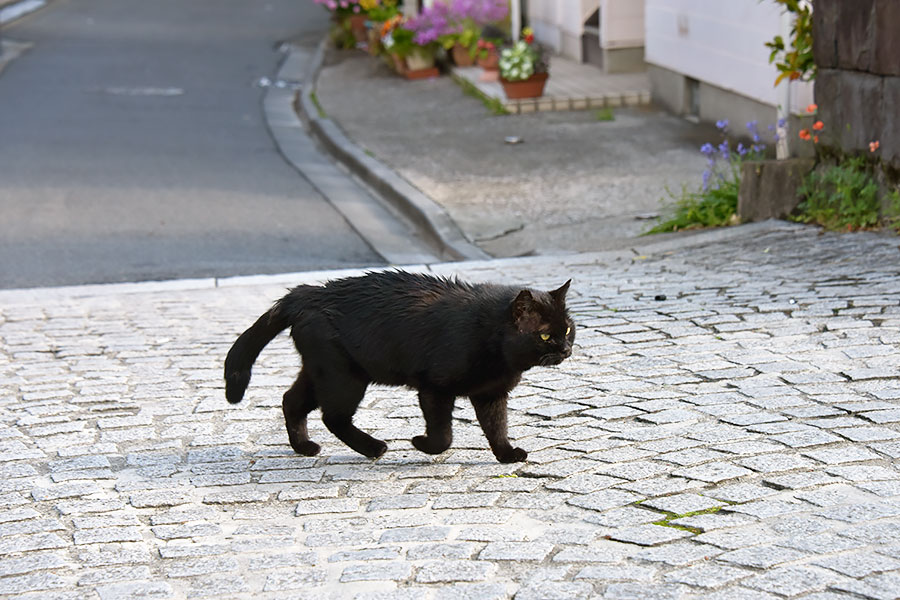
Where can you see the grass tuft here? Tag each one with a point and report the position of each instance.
(494, 105)
(845, 196)
(319, 109)
(714, 207)
(670, 516)
(605, 114)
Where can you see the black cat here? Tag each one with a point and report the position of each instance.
(441, 337)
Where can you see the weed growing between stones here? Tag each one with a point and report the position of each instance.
(846, 196)
(494, 105)
(714, 204)
(605, 114)
(667, 520)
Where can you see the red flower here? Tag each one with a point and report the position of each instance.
(818, 125)
(804, 134)
(812, 108)
(873, 146)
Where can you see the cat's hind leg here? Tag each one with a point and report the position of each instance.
(437, 410)
(491, 413)
(339, 396)
(297, 403)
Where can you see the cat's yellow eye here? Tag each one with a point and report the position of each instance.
(568, 330)
(545, 336)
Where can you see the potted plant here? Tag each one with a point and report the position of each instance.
(380, 12)
(396, 42)
(426, 30)
(348, 15)
(524, 68)
(487, 54)
(464, 44)
(471, 20)
(412, 54)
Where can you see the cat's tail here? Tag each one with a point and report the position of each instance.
(246, 348)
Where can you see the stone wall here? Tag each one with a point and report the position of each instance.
(857, 50)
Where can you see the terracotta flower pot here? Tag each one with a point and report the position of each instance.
(358, 26)
(374, 39)
(533, 87)
(491, 62)
(419, 60)
(399, 63)
(461, 56)
(426, 73)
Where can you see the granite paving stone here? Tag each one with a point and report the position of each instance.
(680, 504)
(709, 575)
(453, 571)
(516, 551)
(649, 535)
(773, 424)
(794, 580)
(679, 553)
(883, 586)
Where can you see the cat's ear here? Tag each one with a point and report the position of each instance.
(560, 294)
(525, 313)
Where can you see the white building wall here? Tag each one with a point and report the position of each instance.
(559, 24)
(720, 42)
(621, 23)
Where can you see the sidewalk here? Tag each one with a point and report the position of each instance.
(574, 86)
(738, 439)
(573, 183)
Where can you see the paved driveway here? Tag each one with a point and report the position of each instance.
(134, 147)
(737, 439)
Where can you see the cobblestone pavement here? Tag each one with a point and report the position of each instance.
(738, 439)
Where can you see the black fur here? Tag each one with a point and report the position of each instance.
(441, 337)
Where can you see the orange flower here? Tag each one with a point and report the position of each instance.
(818, 125)
(812, 108)
(873, 146)
(815, 139)
(804, 134)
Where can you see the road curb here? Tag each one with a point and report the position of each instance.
(287, 280)
(12, 11)
(431, 219)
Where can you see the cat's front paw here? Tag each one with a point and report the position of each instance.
(430, 445)
(512, 455)
(305, 448)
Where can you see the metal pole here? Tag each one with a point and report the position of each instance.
(782, 147)
(515, 18)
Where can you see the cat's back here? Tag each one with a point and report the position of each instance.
(388, 294)
(407, 328)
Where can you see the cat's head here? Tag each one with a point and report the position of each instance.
(544, 332)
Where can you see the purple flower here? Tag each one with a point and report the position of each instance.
(724, 150)
(781, 123)
(706, 175)
(752, 128)
(722, 124)
(741, 150)
(707, 149)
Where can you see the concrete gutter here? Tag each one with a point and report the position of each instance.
(10, 11)
(642, 248)
(429, 218)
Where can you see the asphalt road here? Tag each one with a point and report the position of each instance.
(133, 147)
